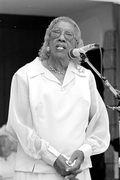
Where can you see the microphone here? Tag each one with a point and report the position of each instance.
(73, 53)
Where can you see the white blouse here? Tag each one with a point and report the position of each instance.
(48, 118)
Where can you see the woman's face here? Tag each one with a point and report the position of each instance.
(62, 39)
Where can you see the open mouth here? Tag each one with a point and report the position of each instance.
(60, 47)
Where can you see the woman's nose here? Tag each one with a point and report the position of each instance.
(62, 37)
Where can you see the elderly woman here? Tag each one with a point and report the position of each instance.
(56, 113)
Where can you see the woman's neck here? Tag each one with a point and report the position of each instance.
(58, 63)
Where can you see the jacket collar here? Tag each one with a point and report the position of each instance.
(39, 68)
(79, 70)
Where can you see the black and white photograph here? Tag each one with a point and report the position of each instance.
(59, 89)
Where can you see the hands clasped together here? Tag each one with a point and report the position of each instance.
(69, 168)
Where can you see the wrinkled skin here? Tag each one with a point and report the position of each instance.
(68, 170)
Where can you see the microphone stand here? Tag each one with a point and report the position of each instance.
(105, 81)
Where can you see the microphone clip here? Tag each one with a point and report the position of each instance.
(83, 56)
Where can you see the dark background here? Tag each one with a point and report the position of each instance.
(20, 40)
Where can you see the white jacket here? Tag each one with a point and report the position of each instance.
(48, 118)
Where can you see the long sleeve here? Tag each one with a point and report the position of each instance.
(21, 124)
(97, 133)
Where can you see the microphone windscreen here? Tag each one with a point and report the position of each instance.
(71, 54)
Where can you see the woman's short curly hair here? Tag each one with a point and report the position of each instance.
(43, 53)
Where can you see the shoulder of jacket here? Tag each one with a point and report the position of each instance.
(24, 70)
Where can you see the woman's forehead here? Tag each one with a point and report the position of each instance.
(65, 25)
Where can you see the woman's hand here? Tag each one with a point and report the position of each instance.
(60, 165)
(74, 163)
(73, 175)
(69, 169)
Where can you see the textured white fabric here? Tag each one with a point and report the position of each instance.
(48, 118)
(36, 176)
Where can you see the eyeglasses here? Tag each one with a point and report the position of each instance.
(55, 33)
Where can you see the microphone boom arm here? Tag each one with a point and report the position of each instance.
(104, 80)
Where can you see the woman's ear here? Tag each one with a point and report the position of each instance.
(79, 44)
